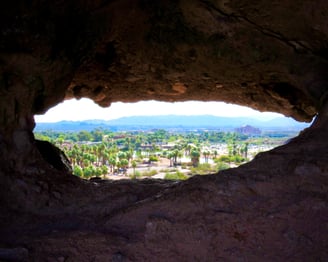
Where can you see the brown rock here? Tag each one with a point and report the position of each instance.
(269, 55)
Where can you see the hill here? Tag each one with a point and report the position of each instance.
(181, 122)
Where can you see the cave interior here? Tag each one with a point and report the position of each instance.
(268, 55)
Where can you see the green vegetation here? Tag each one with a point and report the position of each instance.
(135, 175)
(203, 169)
(104, 153)
(139, 174)
(175, 176)
(221, 166)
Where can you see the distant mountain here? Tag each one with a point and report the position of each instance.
(173, 122)
(181, 120)
(248, 130)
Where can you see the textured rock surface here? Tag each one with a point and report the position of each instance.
(54, 156)
(274, 208)
(270, 55)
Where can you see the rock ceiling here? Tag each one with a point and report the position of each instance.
(270, 56)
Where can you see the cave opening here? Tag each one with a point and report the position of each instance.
(270, 55)
(159, 140)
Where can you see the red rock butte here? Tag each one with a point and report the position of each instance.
(268, 55)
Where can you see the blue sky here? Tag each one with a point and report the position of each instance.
(85, 109)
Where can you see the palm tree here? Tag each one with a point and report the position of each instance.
(98, 172)
(112, 163)
(124, 163)
(121, 155)
(134, 165)
(170, 156)
(78, 171)
(94, 150)
(129, 154)
(195, 154)
(101, 151)
(105, 158)
(176, 153)
(206, 154)
(104, 171)
(86, 162)
(244, 150)
(188, 148)
(215, 154)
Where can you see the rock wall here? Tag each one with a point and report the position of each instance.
(269, 55)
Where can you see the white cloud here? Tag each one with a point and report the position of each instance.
(84, 109)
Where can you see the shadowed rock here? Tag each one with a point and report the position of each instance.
(267, 55)
(54, 156)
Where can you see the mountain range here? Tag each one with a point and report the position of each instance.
(174, 122)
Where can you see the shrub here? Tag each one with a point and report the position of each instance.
(135, 175)
(150, 173)
(186, 165)
(202, 169)
(237, 159)
(168, 170)
(221, 166)
(224, 158)
(153, 159)
(175, 176)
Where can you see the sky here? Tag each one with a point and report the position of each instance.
(86, 109)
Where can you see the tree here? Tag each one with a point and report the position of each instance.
(98, 172)
(97, 135)
(60, 140)
(88, 171)
(170, 156)
(128, 155)
(84, 136)
(232, 147)
(105, 158)
(134, 165)
(101, 152)
(121, 155)
(77, 170)
(188, 148)
(215, 154)
(175, 154)
(123, 163)
(112, 163)
(195, 154)
(244, 149)
(104, 170)
(206, 155)
(86, 162)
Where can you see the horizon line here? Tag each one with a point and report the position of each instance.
(175, 115)
(85, 109)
